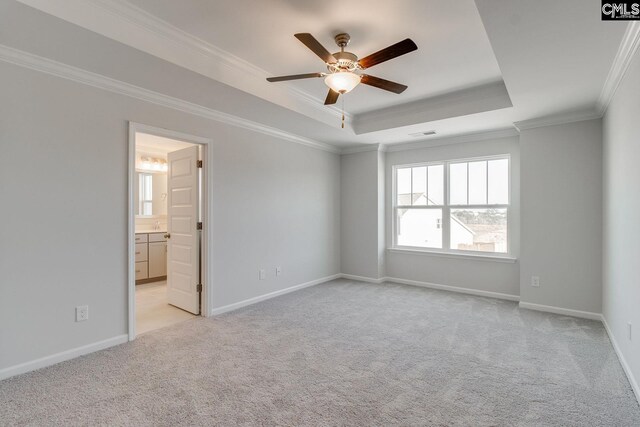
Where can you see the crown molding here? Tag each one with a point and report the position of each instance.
(362, 149)
(557, 119)
(455, 139)
(78, 75)
(626, 51)
(124, 22)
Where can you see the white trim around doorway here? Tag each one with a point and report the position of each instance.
(207, 214)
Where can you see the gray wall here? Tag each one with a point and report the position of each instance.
(483, 275)
(359, 217)
(621, 270)
(382, 206)
(561, 187)
(63, 234)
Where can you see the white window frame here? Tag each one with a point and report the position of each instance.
(446, 210)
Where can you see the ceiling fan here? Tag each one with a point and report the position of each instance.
(344, 67)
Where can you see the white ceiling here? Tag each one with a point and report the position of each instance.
(554, 55)
(479, 65)
(158, 145)
(261, 32)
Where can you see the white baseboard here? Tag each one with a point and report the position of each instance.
(623, 361)
(560, 310)
(62, 356)
(362, 278)
(240, 304)
(476, 292)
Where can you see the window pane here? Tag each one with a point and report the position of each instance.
(436, 185)
(419, 186)
(147, 208)
(498, 182)
(458, 184)
(403, 180)
(478, 183)
(147, 187)
(482, 230)
(419, 227)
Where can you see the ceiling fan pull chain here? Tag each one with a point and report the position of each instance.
(343, 112)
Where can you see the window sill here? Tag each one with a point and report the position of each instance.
(476, 257)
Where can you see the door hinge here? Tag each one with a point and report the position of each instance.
(199, 287)
(199, 163)
(199, 226)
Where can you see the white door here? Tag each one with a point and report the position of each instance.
(183, 253)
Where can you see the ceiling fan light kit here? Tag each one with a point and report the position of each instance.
(342, 81)
(344, 67)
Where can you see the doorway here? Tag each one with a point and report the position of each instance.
(168, 228)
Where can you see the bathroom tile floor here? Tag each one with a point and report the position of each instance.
(153, 310)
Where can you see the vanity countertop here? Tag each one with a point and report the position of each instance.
(150, 231)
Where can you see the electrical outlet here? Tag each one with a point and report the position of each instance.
(82, 313)
(535, 281)
(629, 331)
(278, 271)
(262, 274)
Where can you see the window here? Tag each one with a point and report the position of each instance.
(419, 198)
(453, 206)
(145, 193)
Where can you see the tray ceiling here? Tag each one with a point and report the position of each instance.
(480, 65)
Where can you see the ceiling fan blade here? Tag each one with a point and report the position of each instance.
(393, 51)
(294, 77)
(309, 41)
(332, 97)
(382, 84)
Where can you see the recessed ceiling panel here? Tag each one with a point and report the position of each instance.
(453, 50)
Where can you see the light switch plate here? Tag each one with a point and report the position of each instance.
(262, 274)
(535, 281)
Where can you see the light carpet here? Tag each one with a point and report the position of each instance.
(343, 353)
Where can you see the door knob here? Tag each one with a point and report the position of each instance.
(167, 236)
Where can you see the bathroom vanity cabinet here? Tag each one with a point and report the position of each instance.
(151, 256)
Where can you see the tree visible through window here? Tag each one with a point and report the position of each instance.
(453, 206)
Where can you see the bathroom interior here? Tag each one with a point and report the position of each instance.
(150, 187)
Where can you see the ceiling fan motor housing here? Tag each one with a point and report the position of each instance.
(347, 61)
(342, 39)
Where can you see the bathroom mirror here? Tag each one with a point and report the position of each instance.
(150, 194)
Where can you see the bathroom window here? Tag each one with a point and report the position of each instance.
(145, 192)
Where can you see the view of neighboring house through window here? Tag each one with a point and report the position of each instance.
(146, 193)
(453, 206)
(420, 199)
